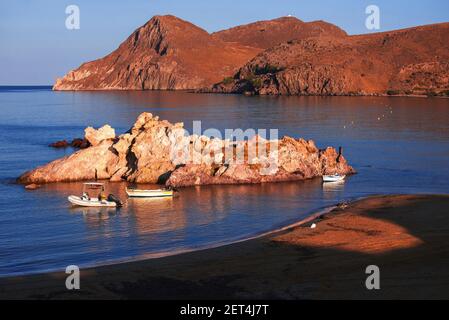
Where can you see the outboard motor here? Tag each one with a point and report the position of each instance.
(113, 198)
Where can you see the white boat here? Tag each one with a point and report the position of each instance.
(90, 202)
(333, 178)
(156, 193)
(86, 201)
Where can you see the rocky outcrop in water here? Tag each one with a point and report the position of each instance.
(76, 143)
(157, 151)
(59, 144)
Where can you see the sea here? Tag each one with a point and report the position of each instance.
(398, 145)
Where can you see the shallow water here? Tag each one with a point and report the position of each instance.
(397, 145)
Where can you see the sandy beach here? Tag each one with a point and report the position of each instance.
(406, 236)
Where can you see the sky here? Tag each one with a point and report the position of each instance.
(36, 47)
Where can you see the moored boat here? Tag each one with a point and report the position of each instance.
(85, 200)
(155, 193)
(333, 178)
(90, 202)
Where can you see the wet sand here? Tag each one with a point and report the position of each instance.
(406, 236)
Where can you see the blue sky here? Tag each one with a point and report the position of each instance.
(36, 47)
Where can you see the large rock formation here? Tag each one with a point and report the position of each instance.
(409, 61)
(155, 151)
(165, 53)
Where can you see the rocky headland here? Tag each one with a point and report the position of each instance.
(167, 53)
(283, 56)
(157, 151)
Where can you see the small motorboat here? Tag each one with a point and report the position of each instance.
(155, 193)
(333, 178)
(99, 201)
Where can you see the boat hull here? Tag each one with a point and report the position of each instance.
(136, 193)
(93, 202)
(333, 178)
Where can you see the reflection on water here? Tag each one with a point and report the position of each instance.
(156, 214)
(331, 190)
(200, 205)
(397, 145)
(93, 210)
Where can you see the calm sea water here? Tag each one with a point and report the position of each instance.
(398, 145)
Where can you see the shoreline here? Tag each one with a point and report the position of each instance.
(296, 262)
(198, 91)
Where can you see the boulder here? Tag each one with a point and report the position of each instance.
(79, 143)
(94, 137)
(59, 144)
(32, 186)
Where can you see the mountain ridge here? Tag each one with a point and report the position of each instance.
(411, 61)
(267, 33)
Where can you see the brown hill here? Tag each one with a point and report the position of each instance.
(266, 34)
(165, 53)
(409, 61)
